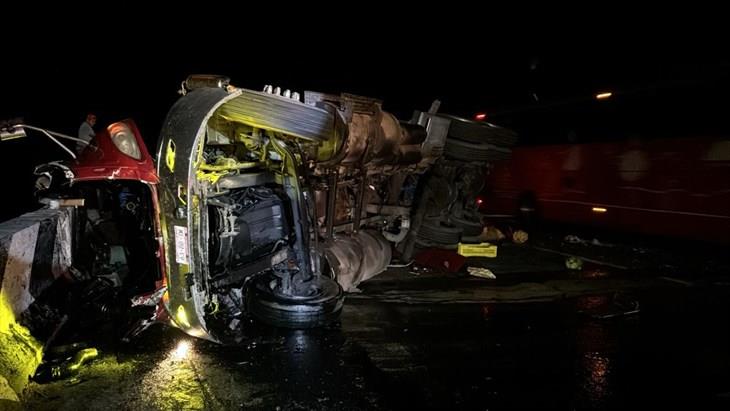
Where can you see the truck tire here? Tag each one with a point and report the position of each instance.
(278, 310)
(435, 231)
(469, 228)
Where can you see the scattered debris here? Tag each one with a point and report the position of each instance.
(55, 370)
(520, 237)
(398, 265)
(599, 243)
(418, 270)
(491, 233)
(441, 259)
(574, 239)
(573, 263)
(589, 260)
(594, 273)
(481, 272)
(478, 250)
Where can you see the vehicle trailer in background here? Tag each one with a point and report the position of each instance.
(669, 187)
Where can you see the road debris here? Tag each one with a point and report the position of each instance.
(573, 263)
(59, 369)
(491, 233)
(589, 260)
(441, 259)
(574, 239)
(477, 250)
(481, 272)
(520, 237)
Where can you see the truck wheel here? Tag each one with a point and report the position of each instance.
(319, 309)
(469, 228)
(436, 231)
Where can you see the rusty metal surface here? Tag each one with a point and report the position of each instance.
(358, 257)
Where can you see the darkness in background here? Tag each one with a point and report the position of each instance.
(660, 90)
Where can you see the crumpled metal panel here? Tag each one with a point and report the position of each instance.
(184, 124)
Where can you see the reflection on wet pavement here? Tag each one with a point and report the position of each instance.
(430, 356)
(595, 388)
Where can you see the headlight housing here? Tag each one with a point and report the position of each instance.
(124, 139)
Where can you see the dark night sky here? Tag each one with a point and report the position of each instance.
(662, 87)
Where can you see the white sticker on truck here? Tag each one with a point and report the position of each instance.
(181, 245)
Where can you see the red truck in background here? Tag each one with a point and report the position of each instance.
(672, 187)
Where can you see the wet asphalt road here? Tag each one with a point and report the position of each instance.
(540, 353)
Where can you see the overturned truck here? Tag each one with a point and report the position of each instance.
(261, 205)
